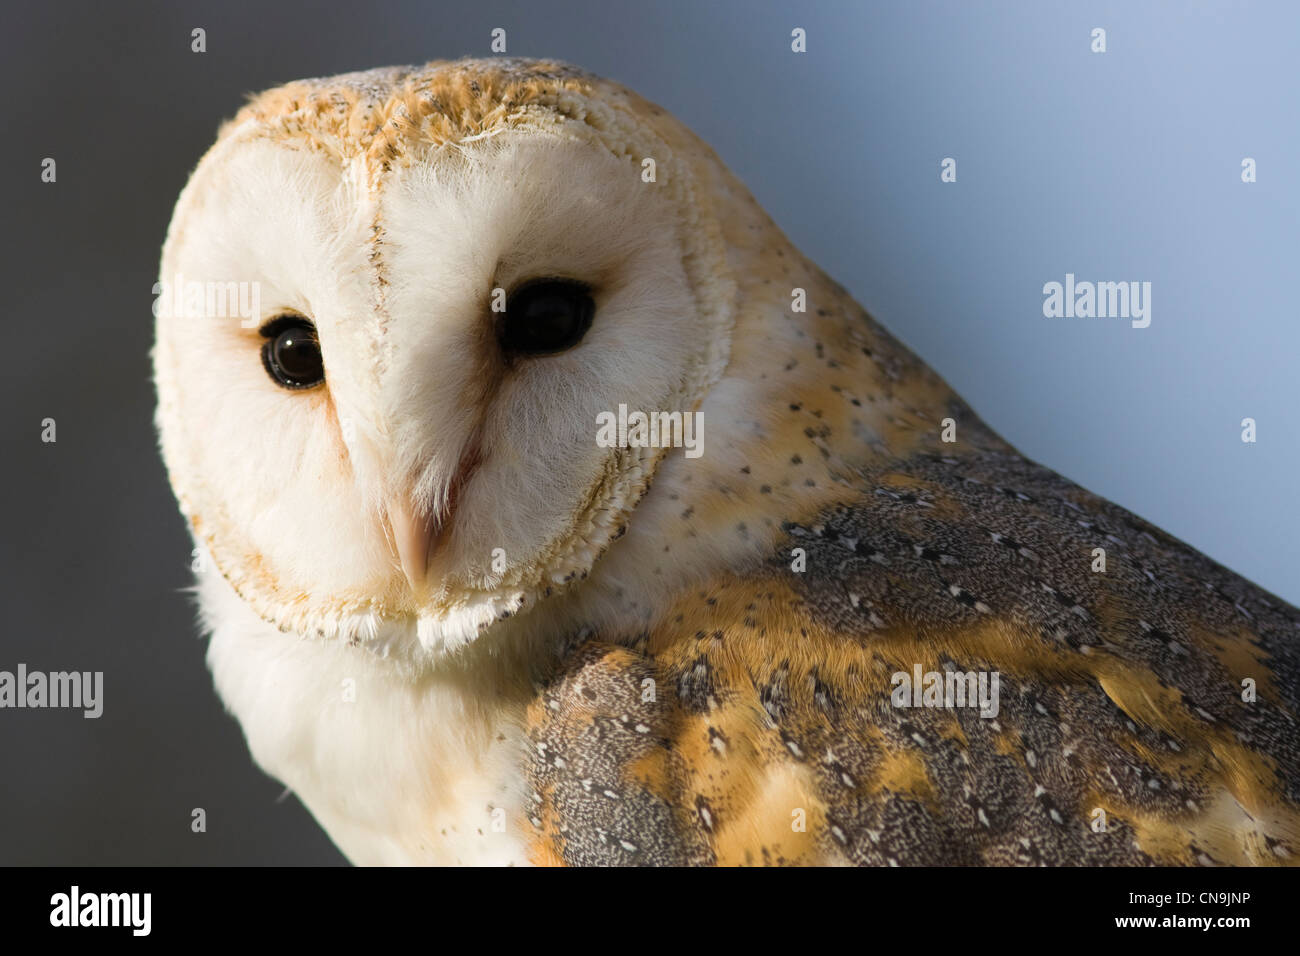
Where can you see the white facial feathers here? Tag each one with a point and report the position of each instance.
(433, 479)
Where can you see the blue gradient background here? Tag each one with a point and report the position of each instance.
(1115, 166)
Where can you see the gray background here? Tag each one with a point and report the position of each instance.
(1115, 167)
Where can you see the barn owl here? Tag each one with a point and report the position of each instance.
(856, 627)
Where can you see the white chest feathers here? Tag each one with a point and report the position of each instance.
(398, 770)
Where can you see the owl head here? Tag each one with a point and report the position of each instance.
(394, 306)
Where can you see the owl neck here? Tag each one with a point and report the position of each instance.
(815, 395)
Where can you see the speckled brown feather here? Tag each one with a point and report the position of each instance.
(1120, 691)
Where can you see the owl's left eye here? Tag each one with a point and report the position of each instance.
(546, 316)
(291, 352)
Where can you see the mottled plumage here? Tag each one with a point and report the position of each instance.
(1120, 691)
(686, 661)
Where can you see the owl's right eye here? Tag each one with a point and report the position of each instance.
(291, 352)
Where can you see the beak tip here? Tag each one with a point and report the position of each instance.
(413, 536)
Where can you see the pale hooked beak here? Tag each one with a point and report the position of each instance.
(413, 534)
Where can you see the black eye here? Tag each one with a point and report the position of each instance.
(291, 353)
(546, 316)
